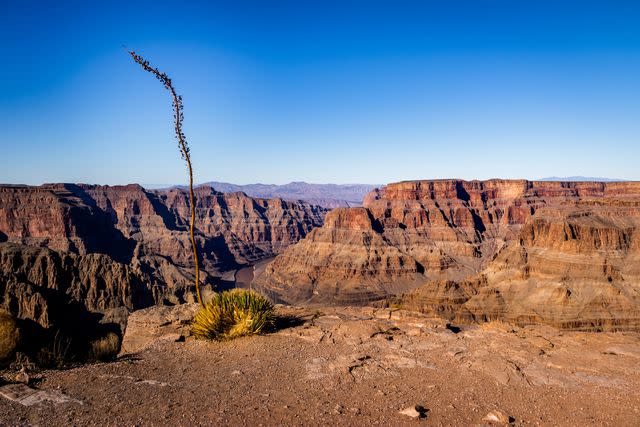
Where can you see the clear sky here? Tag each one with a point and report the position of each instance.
(327, 91)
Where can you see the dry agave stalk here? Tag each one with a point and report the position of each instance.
(178, 117)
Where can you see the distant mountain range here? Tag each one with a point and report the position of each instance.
(326, 195)
(581, 178)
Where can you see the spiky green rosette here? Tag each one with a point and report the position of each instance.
(233, 314)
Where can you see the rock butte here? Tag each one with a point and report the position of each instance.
(103, 247)
(561, 253)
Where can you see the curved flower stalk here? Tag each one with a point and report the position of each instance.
(178, 117)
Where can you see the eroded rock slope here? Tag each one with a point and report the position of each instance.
(106, 247)
(563, 253)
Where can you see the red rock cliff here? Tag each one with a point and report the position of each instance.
(141, 237)
(459, 243)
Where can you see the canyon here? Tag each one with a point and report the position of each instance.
(564, 254)
(561, 253)
(73, 248)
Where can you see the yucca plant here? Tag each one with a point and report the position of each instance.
(233, 314)
(178, 117)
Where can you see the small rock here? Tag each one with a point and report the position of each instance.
(22, 377)
(416, 411)
(497, 417)
(172, 337)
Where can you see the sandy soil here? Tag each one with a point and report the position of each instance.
(356, 367)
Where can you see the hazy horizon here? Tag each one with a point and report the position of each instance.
(333, 93)
(156, 186)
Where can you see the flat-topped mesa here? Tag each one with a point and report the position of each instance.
(480, 191)
(62, 217)
(449, 189)
(468, 214)
(479, 250)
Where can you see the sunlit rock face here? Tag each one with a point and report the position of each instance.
(564, 253)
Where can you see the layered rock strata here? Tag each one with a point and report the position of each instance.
(563, 253)
(105, 247)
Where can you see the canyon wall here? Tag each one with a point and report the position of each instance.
(563, 253)
(111, 246)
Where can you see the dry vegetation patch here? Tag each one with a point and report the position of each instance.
(233, 314)
(9, 337)
(104, 348)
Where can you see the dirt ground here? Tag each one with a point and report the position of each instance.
(355, 367)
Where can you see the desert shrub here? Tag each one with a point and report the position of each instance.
(104, 348)
(9, 337)
(55, 353)
(233, 314)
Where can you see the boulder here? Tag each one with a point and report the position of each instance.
(148, 326)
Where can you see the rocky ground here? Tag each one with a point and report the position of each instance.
(347, 366)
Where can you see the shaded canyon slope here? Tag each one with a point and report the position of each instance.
(104, 247)
(561, 253)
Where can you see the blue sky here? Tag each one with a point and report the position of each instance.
(340, 92)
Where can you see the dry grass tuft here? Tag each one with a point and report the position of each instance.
(233, 314)
(104, 348)
(55, 353)
(9, 337)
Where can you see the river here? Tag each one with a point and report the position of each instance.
(244, 276)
